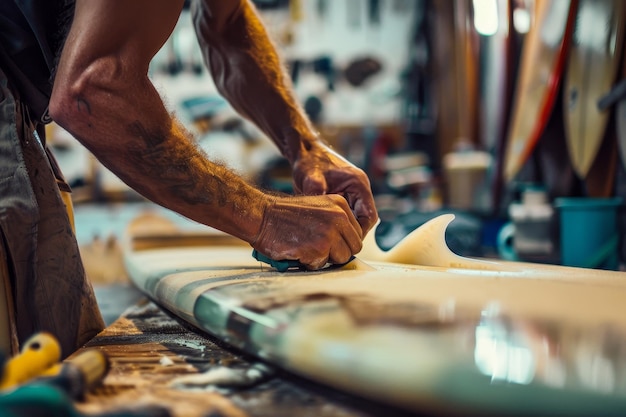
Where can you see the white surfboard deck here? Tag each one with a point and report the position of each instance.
(416, 327)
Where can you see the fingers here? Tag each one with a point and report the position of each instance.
(315, 264)
(338, 255)
(366, 214)
(355, 187)
(314, 230)
(351, 219)
(346, 180)
(363, 206)
(342, 252)
(347, 243)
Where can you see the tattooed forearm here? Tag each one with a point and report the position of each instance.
(103, 96)
(151, 139)
(181, 167)
(162, 162)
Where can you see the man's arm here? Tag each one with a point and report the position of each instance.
(248, 72)
(103, 96)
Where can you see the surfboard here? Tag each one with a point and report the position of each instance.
(499, 68)
(620, 116)
(621, 129)
(466, 70)
(416, 327)
(600, 179)
(455, 65)
(594, 59)
(543, 57)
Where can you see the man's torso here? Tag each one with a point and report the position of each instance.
(31, 36)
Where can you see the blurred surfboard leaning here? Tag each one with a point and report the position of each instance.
(543, 58)
(594, 60)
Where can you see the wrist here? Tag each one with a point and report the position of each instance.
(293, 142)
(260, 222)
(309, 145)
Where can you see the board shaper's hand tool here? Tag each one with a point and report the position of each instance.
(287, 264)
(281, 266)
(35, 384)
(39, 353)
(79, 374)
(39, 361)
(617, 93)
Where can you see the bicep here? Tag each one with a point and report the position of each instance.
(131, 30)
(101, 84)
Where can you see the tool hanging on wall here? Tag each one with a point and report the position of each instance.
(321, 9)
(401, 6)
(271, 4)
(295, 11)
(354, 13)
(374, 12)
(360, 70)
(417, 79)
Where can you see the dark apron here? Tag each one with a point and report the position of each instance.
(48, 284)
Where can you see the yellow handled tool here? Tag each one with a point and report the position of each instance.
(40, 353)
(39, 360)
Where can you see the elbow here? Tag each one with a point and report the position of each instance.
(68, 106)
(71, 104)
(77, 96)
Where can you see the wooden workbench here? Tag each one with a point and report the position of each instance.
(149, 349)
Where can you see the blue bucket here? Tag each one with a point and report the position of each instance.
(589, 232)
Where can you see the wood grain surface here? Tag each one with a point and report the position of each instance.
(149, 349)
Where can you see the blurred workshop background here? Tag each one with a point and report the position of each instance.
(508, 113)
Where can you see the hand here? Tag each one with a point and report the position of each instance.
(311, 229)
(320, 170)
